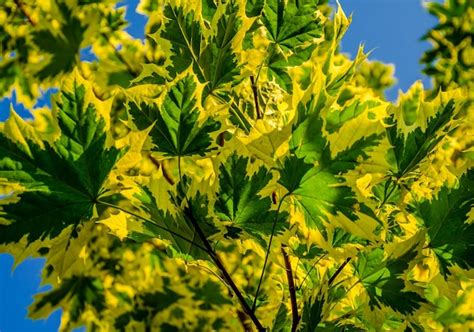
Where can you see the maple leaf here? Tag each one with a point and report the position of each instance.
(239, 200)
(312, 176)
(212, 58)
(382, 277)
(446, 220)
(415, 129)
(63, 46)
(176, 130)
(60, 182)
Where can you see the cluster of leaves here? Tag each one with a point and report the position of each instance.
(450, 62)
(232, 171)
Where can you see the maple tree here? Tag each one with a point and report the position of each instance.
(235, 171)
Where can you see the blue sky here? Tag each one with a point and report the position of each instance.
(392, 28)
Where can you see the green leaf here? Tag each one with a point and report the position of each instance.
(185, 35)
(182, 230)
(445, 217)
(60, 183)
(63, 46)
(212, 58)
(207, 294)
(412, 147)
(281, 320)
(208, 9)
(291, 24)
(254, 7)
(77, 294)
(312, 313)
(313, 177)
(382, 278)
(146, 305)
(219, 63)
(8, 73)
(292, 28)
(279, 63)
(317, 192)
(176, 130)
(238, 200)
(292, 173)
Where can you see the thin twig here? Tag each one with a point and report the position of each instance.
(161, 164)
(255, 97)
(20, 5)
(338, 271)
(188, 214)
(291, 287)
(151, 222)
(217, 261)
(254, 305)
(311, 269)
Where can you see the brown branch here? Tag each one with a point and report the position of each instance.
(221, 139)
(255, 97)
(225, 275)
(160, 164)
(338, 271)
(292, 289)
(244, 321)
(20, 5)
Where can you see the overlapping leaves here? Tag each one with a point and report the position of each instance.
(291, 28)
(383, 277)
(176, 129)
(449, 229)
(313, 176)
(239, 201)
(57, 183)
(322, 171)
(212, 58)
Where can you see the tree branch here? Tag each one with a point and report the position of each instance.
(338, 271)
(20, 5)
(225, 275)
(292, 289)
(188, 214)
(151, 222)
(243, 320)
(160, 164)
(255, 97)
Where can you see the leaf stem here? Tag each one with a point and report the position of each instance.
(292, 289)
(188, 213)
(151, 222)
(338, 271)
(309, 271)
(225, 275)
(255, 97)
(20, 5)
(267, 253)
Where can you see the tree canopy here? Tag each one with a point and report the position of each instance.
(235, 171)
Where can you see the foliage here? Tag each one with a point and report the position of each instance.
(234, 170)
(450, 62)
